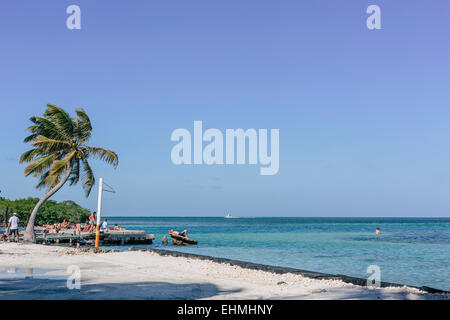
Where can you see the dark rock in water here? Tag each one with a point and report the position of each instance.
(181, 240)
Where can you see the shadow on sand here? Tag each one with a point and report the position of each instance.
(18, 289)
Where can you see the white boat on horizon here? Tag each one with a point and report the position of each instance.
(228, 216)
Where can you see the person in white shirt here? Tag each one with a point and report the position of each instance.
(105, 225)
(13, 227)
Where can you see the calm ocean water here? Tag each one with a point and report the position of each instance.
(414, 251)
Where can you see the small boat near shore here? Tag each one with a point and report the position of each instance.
(181, 240)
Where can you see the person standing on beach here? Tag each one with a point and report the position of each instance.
(92, 218)
(13, 226)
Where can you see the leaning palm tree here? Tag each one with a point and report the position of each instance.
(60, 154)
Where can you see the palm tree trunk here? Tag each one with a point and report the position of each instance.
(29, 236)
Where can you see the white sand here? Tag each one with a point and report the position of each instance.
(145, 275)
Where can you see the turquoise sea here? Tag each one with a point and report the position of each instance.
(413, 251)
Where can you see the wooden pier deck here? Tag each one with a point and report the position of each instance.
(106, 238)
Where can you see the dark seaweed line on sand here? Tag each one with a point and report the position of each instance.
(283, 270)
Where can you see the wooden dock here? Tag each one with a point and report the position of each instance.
(87, 238)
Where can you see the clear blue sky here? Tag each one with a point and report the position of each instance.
(363, 115)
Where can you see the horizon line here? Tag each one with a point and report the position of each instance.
(406, 217)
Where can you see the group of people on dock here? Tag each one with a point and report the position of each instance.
(89, 226)
(12, 228)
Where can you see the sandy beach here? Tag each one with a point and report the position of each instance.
(40, 272)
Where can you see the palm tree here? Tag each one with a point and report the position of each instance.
(60, 154)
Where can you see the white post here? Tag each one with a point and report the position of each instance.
(99, 211)
(99, 203)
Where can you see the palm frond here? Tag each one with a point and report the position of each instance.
(47, 128)
(59, 166)
(39, 165)
(29, 155)
(75, 174)
(61, 119)
(42, 179)
(29, 138)
(88, 178)
(51, 180)
(47, 145)
(106, 155)
(84, 126)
